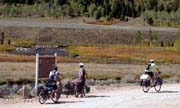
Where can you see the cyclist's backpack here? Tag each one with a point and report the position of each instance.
(148, 66)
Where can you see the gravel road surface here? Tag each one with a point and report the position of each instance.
(106, 97)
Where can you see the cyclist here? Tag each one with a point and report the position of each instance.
(152, 70)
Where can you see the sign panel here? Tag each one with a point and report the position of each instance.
(46, 64)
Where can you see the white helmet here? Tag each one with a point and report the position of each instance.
(151, 60)
(81, 64)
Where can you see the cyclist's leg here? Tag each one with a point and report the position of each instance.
(153, 79)
(55, 91)
(151, 74)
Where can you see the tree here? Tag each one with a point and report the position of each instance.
(119, 9)
(160, 5)
(107, 7)
(150, 20)
(176, 4)
(102, 11)
(162, 44)
(138, 9)
(92, 9)
(97, 14)
(114, 8)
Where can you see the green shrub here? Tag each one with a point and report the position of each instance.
(3, 81)
(177, 42)
(138, 37)
(6, 48)
(2, 38)
(25, 43)
(178, 76)
(97, 14)
(150, 21)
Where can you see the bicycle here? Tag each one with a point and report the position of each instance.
(147, 82)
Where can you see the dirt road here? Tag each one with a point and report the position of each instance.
(74, 24)
(119, 97)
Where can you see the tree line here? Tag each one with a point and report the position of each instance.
(99, 9)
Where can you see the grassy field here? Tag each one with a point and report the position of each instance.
(128, 73)
(124, 63)
(108, 54)
(128, 54)
(82, 34)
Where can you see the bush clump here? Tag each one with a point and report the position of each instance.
(6, 48)
(25, 43)
(177, 42)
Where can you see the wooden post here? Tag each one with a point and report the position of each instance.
(55, 55)
(2, 38)
(23, 91)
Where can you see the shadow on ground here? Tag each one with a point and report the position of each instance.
(65, 102)
(95, 96)
(166, 92)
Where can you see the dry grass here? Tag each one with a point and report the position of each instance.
(81, 35)
(128, 53)
(99, 22)
(6, 48)
(24, 58)
(17, 67)
(10, 71)
(16, 58)
(108, 54)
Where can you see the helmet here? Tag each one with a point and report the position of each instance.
(81, 64)
(151, 60)
(55, 68)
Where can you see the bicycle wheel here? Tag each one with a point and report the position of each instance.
(157, 87)
(145, 87)
(42, 97)
(55, 97)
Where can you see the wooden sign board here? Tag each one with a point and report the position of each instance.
(46, 64)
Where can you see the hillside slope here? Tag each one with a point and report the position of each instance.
(79, 33)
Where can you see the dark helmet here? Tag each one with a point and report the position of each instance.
(55, 68)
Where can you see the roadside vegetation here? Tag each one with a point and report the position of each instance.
(13, 72)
